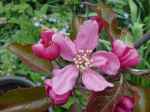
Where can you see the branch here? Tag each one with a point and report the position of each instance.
(89, 4)
(139, 72)
(36, 106)
(142, 40)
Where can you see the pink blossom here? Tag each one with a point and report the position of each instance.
(125, 104)
(127, 55)
(83, 61)
(46, 48)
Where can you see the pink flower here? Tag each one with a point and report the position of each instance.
(80, 53)
(125, 104)
(127, 55)
(46, 48)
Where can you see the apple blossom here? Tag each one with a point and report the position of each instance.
(80, 53)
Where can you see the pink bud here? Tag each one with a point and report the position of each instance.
(127, 55)
(46, 36)
(46, 48)
(120, 109)
(50, 52)
(125, 104)
(100, 21)
(56, 99)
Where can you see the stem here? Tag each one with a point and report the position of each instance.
(58, 63)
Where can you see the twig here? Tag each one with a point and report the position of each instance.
(142, 40)
(89, 4)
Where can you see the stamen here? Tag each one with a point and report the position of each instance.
(82, 60)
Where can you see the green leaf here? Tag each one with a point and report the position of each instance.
(28, 33)
(69, 103)
(24, 52)
(24, 100)
(137, 31)
(133, 10)
(44, 9)
(138, 80)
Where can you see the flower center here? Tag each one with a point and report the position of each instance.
(82, 59)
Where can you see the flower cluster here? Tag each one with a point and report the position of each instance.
(84, 60)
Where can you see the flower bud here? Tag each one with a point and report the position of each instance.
(125, 104)
(127, 55)
(55, 98)
(46, 48)
(46, 36)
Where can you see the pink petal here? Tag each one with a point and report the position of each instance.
(87, 37)
(130, 59)
(67, 47)
(93, 81)
(108, 62)
(56, 99)
(118, 47)
(64, 79)
(98, 60)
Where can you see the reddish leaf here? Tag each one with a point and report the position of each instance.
(102, 10)
(24, 52)
(109, 16)
(115, 30)
(24, 100)
(105, 100)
